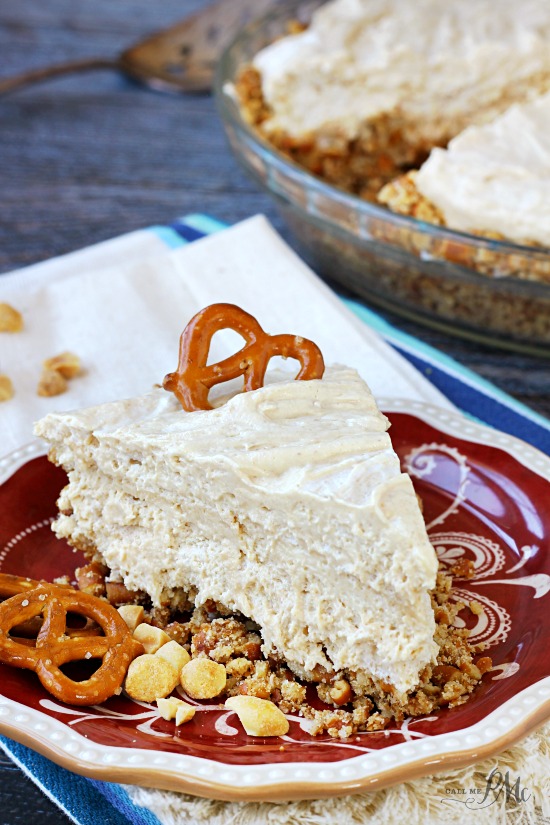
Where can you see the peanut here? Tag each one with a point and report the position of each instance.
(51, 383)
(203, 678)
(177, 709)
(259, 717)
(10, 319)
(174, 654)
(152, 638)
(6, 388)
(66, 363)
(150, 678)
(132, 614)
(184, 713)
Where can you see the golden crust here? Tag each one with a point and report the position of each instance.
(228, 649)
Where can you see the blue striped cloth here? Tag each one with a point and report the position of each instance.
(90, 802)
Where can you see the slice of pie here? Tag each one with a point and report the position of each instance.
(286, 504)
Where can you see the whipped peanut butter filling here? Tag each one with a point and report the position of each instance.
(496, 177)
(438, 65)
(286, 504)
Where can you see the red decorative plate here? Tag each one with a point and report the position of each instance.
(485, 498)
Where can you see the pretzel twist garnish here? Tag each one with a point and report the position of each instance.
(55, 647)
(193, 379)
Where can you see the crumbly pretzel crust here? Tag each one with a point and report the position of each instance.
(352, 702)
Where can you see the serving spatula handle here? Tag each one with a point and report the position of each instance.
(19, 81)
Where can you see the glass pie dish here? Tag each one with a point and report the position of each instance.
(491, 291)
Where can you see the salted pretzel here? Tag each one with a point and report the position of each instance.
(192, 380)
(55, 647)
(27, 631)
(12, 585)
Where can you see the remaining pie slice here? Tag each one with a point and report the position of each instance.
(286, 504)
(492, 180)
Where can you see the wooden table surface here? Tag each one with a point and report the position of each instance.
(88, 157)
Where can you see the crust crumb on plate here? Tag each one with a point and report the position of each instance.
(224, 657)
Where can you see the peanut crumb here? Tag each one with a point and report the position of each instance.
(66, 363)
(463, 569)
(152, 638)
(6, 388)
(11, 319)
(176, 709)
(51, 383)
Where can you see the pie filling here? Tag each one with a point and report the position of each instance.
(274, 535)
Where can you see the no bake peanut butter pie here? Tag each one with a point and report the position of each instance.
(273, 535)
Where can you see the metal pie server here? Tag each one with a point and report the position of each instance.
(181, 58)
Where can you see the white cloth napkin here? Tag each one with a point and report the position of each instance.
(121, 306)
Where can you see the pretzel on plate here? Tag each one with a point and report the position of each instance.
(56, 644)
(193, 379)
(26, 632)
